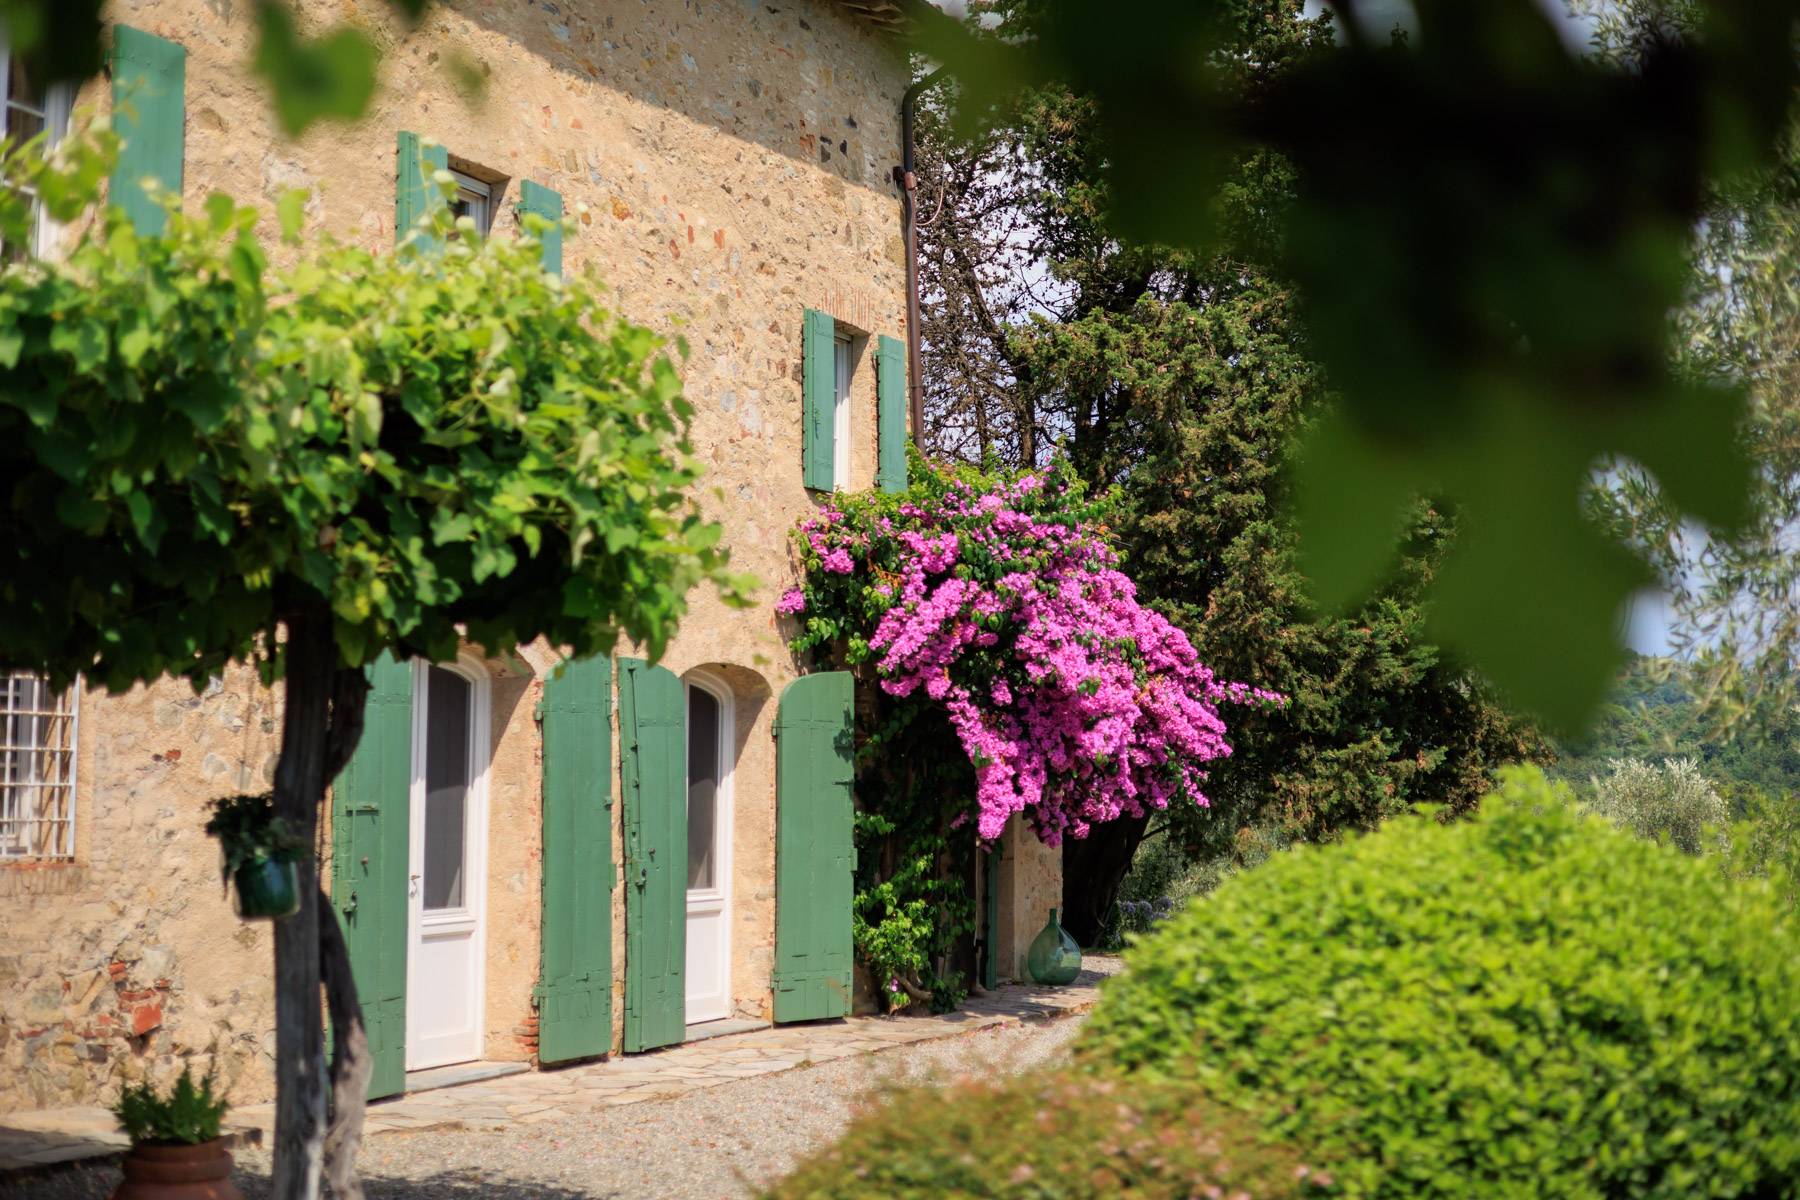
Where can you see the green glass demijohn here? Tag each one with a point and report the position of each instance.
(267, 889)
(1054, 958)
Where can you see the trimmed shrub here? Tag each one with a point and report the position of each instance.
(1531, 1003)
(1051, 1135)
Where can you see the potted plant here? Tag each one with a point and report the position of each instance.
(260, 856)
(176, 1151)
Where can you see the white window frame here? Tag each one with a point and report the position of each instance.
(716, 899)
(720, 893)
(37, 770)
(840, 411)
(59, 100)
(473, 911)
(479, 196)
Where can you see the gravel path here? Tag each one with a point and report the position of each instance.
(713, 1144)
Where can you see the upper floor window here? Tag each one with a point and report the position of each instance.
(840, 412)
(474, 199)
(32, 108)
(37, 768)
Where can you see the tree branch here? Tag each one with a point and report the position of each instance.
(349, 697)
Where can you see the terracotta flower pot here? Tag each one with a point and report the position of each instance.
(200, 1172)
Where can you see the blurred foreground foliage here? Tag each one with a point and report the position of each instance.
(1052, 1135)
(1488, 232)
(1183, 378)
(1735, 600)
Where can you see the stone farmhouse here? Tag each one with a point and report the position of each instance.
(531, 865)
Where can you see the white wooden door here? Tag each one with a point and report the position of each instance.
(445, 887)
(708, 967)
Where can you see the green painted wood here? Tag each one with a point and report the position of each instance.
(818, 396)
(574, 991)
(890, 400)
(414, 192)
(536, 198)
(814, 856)
(653, 771)
(149, 84)
(990, 922)
(371, 809)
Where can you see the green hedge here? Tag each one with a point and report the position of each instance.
(1529, 1004)
(1051, 1135)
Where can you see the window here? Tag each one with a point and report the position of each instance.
(449, 723)
(704, 770)
(31, 109)
(840, 415)
(474, 200)
(37, 768)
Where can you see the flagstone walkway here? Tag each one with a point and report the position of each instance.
(34, 1140)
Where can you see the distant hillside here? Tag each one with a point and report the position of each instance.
(1655, 719)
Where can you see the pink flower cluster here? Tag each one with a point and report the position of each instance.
(1075, 703)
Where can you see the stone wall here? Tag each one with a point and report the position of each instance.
(1030, 885)
(727, 164)
(130, 959)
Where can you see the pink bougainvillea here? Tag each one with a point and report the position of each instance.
(1005, 604)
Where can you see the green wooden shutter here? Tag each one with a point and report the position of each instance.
(818, 394)
(653, 766)
(371, 808)
(414, 192)
(990, 921)
(536, 198)
(890, 393)
(814, 857)
(575, 973)
(149, 82)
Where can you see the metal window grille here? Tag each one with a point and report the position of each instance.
(37, 768)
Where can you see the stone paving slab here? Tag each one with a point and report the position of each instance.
(37, 1139)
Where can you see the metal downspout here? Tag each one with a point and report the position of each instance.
(909, 216)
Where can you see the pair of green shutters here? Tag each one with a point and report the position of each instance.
(371, 857)
(415, 195)
(149, 83)
(818, 395)
(814, 858)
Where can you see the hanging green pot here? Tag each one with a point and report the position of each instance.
(1054, 958)
(267, 888)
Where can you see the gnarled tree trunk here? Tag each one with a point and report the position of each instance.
(322, 724)
(351, 1063)
(299, 1148)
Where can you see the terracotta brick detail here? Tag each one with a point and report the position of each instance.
(525, 1033)
(145, 1018)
